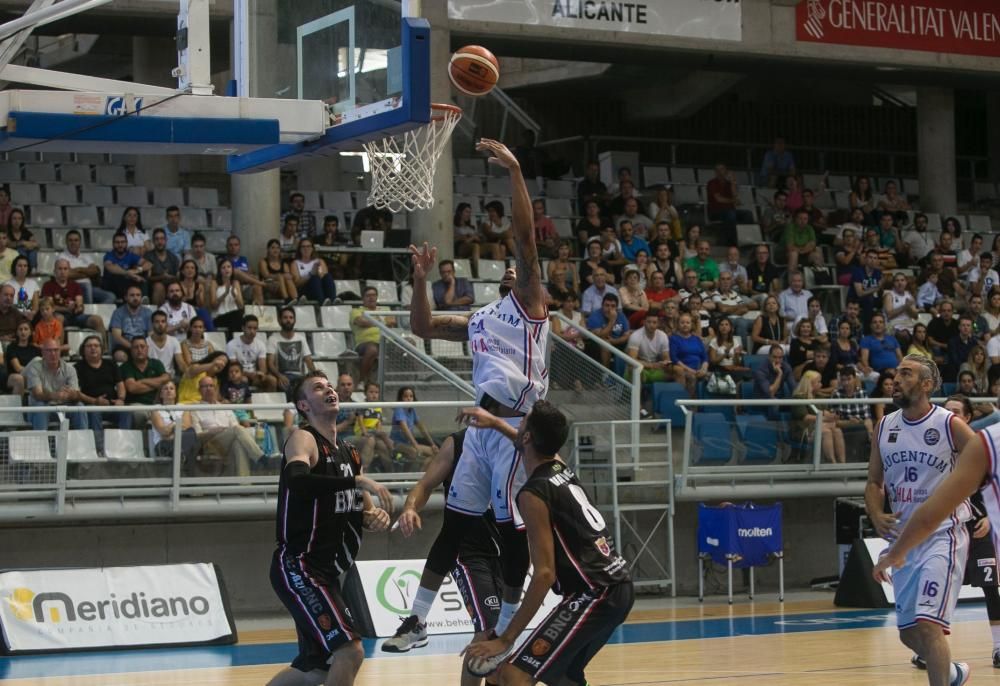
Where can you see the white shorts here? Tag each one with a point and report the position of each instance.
(927, 586)
(489, 472)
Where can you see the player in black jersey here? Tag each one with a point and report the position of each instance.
(323, 506)
(477, 571)
(571, 550)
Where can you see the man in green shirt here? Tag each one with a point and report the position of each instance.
(708, 270)
(799, 241)
(143, 378)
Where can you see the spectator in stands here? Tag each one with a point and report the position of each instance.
(651, 347)
(642, 225)
(978, 365)
(27, 289)
(725, 351)
(821, 362)
(367, 336)
(5, 207)
(851, 415)
(723, 197)
(928, 295)
(626, 191)
(591, 224)
(10, 316)
(594, 295)
(204, 260)
(980, 326)
(212, 365)
(164, 267)
(128, 322)
(730, 302)
(816, 217)
(467, 238)
(657, 293)
(220, 433)
(165, 347)
(594, 260)
(983, 278)
(195, 347)
(124, 268)
(288, 239)
(83, 270)
(920, 345)
(51, 380)
(178, 238)
(959, 347)
(168, 424)
(278, 281)
(101, 385)
(591, 188)
(450, 292)
(856, 223)
(770, 328)
(777, 164)
(814, 313)
(992, 314)
(667, 265)
(178, 313)
(131, 227)
(776, 216)
(804, 421)
(546, 236)
(844, 350)
(763, 276)
(253, 288)
(706, 268)
(497, 240)
(969, 258)
(918, 239)
(332, 232)
(368, 425)
(225, 298)
(803, 346)
(405, 425)
(629, 242)
(688, 354)
(634, 303)
(900, 308)
(865, 286)
(7, 257)
(879, 350)
(570, 278)
(611, 251)
(946, 248)
(143, 377)
(883, 389)
(608, 324)
(663, 233)
(847, 257)
(624, 174)
(773, 379)
(794, 300)
(947, 284)
(20, 239)
(893, 203)
(306, 220)
(288, 353)
(251, 352)
(48, 326)
(862, 198)
(733, 266)
(662, 211)
(235, 390)
(568, 308)
(689, 248)
(799, 241)
(17, 355)
(941, 330)
(697, 307)
(891, 241)
(793, 193)
(67, 296)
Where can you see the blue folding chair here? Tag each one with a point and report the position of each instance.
(712, 434)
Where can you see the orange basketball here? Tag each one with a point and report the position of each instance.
(474, 70)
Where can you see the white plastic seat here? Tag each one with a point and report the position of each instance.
(268, 399)
(222, 218)
(91, 158)
(30, 446)
(205, 198)
(46, 262)
(194, 217)
(463, 268)
(344, 286)
(328, 344)
(123, 444)
(25, 194)
(165, 197)
(474, 201)
(338, 200)
(485, 293)
(61, 194)
(564, 227)
(471, 185)
(655, 176)
(215, 241)
(336, 317)
(560, 188)
(312, 199)
(75, 173)
(104, 311)
(686, 194)
(683, 175)
(559, 207)
(75, 337)
(100, 239)
(11, 419)
(40, 172)
(267, 316)
(111, 175)
(217, 339)
(82, 215)
(328, 367)
(441, 349)
(471, 166)
(132, 196)
(47, 215)
(58, 238)
(980, 223)
(748, 234)
(80, 446)
(10, 172)
(98, 195)
(491, 270)
(305, 317)
(498, 185)
(388, 292)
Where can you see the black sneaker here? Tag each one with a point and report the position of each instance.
(410, 634)
(918, 662)
(996, 658)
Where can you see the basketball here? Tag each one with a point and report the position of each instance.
(474, 70)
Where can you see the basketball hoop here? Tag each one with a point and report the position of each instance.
(403, 166)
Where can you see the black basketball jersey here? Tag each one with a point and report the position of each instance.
(482, 538)
(586, 558)
(326, 530)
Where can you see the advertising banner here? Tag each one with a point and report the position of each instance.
(715, 19)
(391, 585)
(109, 607)
(961, 27)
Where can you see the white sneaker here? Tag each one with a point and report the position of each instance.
(964, 672)
(410, 634)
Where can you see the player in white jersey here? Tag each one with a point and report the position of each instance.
(912, 456)
(508, 343)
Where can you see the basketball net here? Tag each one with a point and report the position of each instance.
(403, 166)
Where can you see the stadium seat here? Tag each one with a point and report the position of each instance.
(474, 201)
(217, 339)
(25, 194)
(665, 396)
(559, 207)
(104, 311)
(11, 419)
(30, 446)
(98, 195)
(305, 317)
(760, 439)
(682, 175)
(471, 166)
(61, 194)
(328, 344)
(75, 337)
(492, 270)
(748, 234)
(82, 215)
(132, 196)
(980, 223)
(100, 239)
(192, 217)
(40, 172)
(388, 293)
(463, 268)
(10, 172)
(469, 185)
(91, 158)
(204, 198)
(328, 367)
(564, 227)
(348, 289)
(312, 199)
(560, 188)
(485, 292)
(270, 416)
(746, 393)
(75, 173)
(124, 444)
(338, 201)
(336, 317)
(222, 218)
(167, 196)
(58, 238)
(441, 350)
(686, 194)
(46, 262)
(80, 446)
(46, 215)
(498, 185)
(267, 316)
(655, 176)
(711, 431)
(215, 241)
(111, 175)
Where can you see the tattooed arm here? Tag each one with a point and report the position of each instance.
(450, 327)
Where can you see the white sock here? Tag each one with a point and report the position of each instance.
(507, 611)
(995, 630)
(952, 673)
(422, 603)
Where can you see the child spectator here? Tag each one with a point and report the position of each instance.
(369, 424)
(235, 389)
(48, 326)
(18, 354)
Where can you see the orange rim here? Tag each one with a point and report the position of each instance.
(440, 109)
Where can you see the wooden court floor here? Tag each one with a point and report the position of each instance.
(805, 642)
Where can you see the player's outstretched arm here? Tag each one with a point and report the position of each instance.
(971, 468)
(437, 471)
(528, 286)
(884, 523)
(477, 416)
(422, 323)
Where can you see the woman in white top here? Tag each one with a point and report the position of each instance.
(310, 274)
(725, 351)
(195, 348)
(167, 424)
(26, 289)
(226, 299)
(689, 248)
(569, 309)
(496, 233)
(900, 307)
(969, 258)
(992, 313)
(131, 226)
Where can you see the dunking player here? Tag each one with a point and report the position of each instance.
(981, 569)
(911, 459)
(570, 548)
(477, 570)
(323, 505)
(508, 340)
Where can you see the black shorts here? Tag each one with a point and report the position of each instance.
(981, 567)
(572, 634)
(323, 621)
(480, 580)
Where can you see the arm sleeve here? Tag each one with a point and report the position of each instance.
(300, 480)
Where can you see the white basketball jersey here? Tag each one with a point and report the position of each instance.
(508, 354)
(990, 436)
(917, 456)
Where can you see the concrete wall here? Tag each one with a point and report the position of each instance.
(243, 548)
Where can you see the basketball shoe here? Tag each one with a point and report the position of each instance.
(963, 674)
(410, 634)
